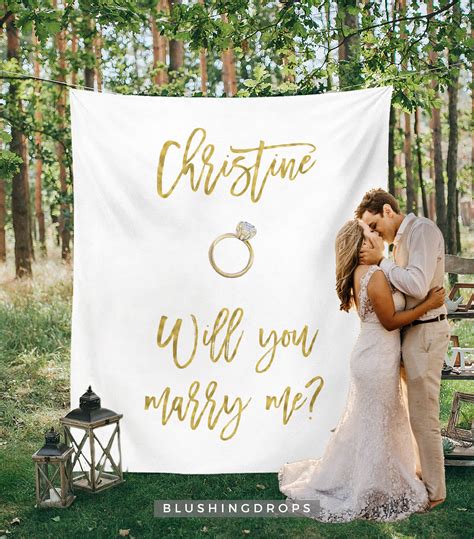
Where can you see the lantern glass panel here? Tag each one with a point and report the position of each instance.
(97, 453)
(54, 482)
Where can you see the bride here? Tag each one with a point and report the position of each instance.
(367, 470)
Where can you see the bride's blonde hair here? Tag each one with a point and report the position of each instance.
(348, 243)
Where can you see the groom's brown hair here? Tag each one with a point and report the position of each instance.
(374, 200)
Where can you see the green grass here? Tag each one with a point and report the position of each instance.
(34, 375)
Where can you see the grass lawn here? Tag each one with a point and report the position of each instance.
(34, 375)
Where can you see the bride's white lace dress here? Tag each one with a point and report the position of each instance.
(367, 470)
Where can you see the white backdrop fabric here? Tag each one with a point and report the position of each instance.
(141, 260)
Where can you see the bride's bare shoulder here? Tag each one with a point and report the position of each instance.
(361, 270)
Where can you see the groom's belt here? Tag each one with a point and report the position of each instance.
(416, 322)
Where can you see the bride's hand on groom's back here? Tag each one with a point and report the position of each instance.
(436, 297)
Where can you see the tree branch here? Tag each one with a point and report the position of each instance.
(378, 25)
(281, 16)
(24, 127)
(32, 77)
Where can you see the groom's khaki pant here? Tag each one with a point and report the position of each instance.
(424, 349)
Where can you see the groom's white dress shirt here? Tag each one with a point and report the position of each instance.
(421, 265)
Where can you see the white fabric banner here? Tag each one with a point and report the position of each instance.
(217, 374)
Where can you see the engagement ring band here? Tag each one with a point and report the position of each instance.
(244, 232)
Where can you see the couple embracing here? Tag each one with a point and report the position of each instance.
(384, 460)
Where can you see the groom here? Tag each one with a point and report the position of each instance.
(418, 267)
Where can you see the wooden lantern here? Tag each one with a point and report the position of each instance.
(454, 430)
(94, 434)
(53, 471)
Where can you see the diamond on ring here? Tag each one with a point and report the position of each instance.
(245, 231)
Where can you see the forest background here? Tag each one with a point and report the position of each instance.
(232, 48)
(219, 49)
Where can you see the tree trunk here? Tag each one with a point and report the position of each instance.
(160, 44)
(438, 156)
(451, 171)
(452, 159)
(65, 214)
(432, 197)
(420, 163)
(74, 54)
(391, 151)
(398, 155)
(28, 196)
(3, 243)
(472, 118)
(98, 58)
(176, 46)
(411, 198)
(229, 76)
(39, 161)
(410, 184)
(228, 72)
(55, 221)
(20, 213)
(3, 213)
(89, 70)
(203, 70)
(349, 50)
(458, 228)
(3, 203)
(438, 170)
(327, 9)
(391, 128)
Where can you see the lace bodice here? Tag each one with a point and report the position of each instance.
(366, 309)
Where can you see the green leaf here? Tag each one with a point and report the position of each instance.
(52, 27)
(259, 72)
(6, 137)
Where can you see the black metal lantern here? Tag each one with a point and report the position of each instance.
(53, 471)
(94, 434)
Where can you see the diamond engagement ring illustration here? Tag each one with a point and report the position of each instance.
(244, 232)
